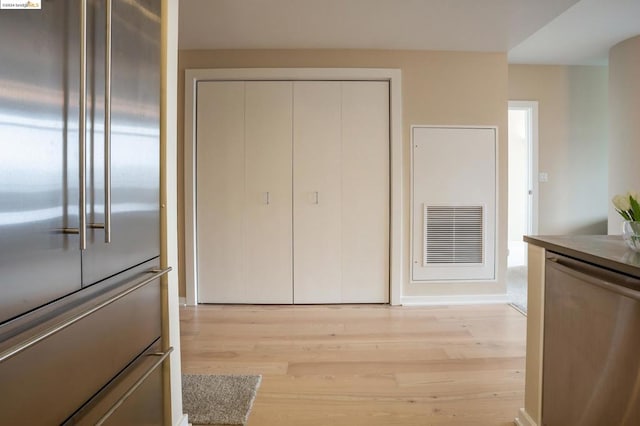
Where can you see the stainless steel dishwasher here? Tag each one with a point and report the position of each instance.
(591, 365)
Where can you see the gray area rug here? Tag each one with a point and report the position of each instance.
(218, 399)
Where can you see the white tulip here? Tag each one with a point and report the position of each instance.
(621, 202)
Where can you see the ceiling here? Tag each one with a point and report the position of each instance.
(532, 31)
(582, 35)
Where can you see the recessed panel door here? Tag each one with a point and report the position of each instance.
(244, 192)
(365, 192)
(317, 177)
(220, 210)
(268, 221)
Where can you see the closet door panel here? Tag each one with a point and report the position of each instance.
(317, 199)
(268, 205)
(365, 192)
(220, 169)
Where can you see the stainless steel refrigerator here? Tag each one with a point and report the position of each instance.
(80, 308)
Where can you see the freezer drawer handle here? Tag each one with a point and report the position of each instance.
(161, 357)
(16, 349)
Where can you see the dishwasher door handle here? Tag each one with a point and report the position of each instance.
(609, 280)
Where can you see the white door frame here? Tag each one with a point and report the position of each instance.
(532, 141)
(396, 209)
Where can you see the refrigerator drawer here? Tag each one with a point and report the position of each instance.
(133, 398)
(46, 380)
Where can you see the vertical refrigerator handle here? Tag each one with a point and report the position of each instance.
(82, 128)
(107, 125)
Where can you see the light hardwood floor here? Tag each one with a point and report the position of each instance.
(365, 364)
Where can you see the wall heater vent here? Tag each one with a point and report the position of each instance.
(453, 235)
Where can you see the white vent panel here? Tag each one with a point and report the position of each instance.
(453, 235)
(453, 203)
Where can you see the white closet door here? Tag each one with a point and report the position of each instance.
(268, 144)
(293, 192)
(365, 192)
(220, 192)
(244, 201)
(317, 196)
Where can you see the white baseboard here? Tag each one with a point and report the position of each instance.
(480, 299)
(184, 421)
(436, 300)
(523, 419)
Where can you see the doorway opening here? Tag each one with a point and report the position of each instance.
(523, 195)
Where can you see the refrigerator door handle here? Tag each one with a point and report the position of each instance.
(107, 128)
(107, 124)
(82, 128)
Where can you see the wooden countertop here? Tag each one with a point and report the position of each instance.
(608, 251)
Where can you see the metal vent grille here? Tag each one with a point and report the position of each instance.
(453, 234)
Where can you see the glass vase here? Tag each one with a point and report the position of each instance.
(631, 234)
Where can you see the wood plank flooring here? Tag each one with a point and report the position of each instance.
(365, 364)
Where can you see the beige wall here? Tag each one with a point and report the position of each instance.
(445, 88)
(624, 104)
(572, 116)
